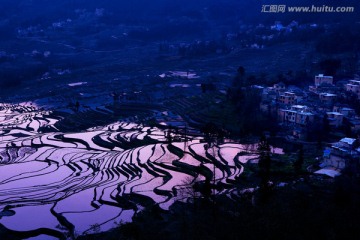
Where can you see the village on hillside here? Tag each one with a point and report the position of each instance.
(323, 113)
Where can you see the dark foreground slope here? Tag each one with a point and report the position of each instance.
(306, 210)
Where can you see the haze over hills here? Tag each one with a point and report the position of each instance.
(115, 25)
(25, 12)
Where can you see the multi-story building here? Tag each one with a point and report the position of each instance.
(322, 83)
(353, 86)
(347, 112)
(335, 118)
(355, 124)
(287, 98)
(279, 87)
(321, 79)
(297, 114)
(327, 98)
(342, 154)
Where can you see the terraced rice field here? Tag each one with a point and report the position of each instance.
(63, 185)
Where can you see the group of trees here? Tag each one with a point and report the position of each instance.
(246, 100)
(340, 39)
(15, 75)
(330, 66)
(203, 48)
(265, 163)
(264, 151)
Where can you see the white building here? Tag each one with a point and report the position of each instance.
(320, 79)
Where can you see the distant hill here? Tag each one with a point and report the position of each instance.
(40, 11)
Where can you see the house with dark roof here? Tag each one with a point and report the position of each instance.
(345, 153)
(335, 118)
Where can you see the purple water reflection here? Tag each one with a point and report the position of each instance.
(80, 183)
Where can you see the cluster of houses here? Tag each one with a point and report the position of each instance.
(301, 111)
(297, 108)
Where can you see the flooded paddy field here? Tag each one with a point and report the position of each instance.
(66, 184)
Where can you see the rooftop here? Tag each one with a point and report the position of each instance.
(349, 141)
(328, 94)
(299, 106)
(335, 113)
(322, 75)
(331, 172)
(306, 113)
(347, 109)
(288, 110)
(354, 81)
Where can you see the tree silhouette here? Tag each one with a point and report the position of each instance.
(210, 131)
(239, 79)
(168, 135)
(264, 162)
(77, 106)
(347, 127)
(330, 66)
(326, 126)
(241, 71)
(300, 160)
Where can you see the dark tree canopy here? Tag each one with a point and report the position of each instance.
(330, 66)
